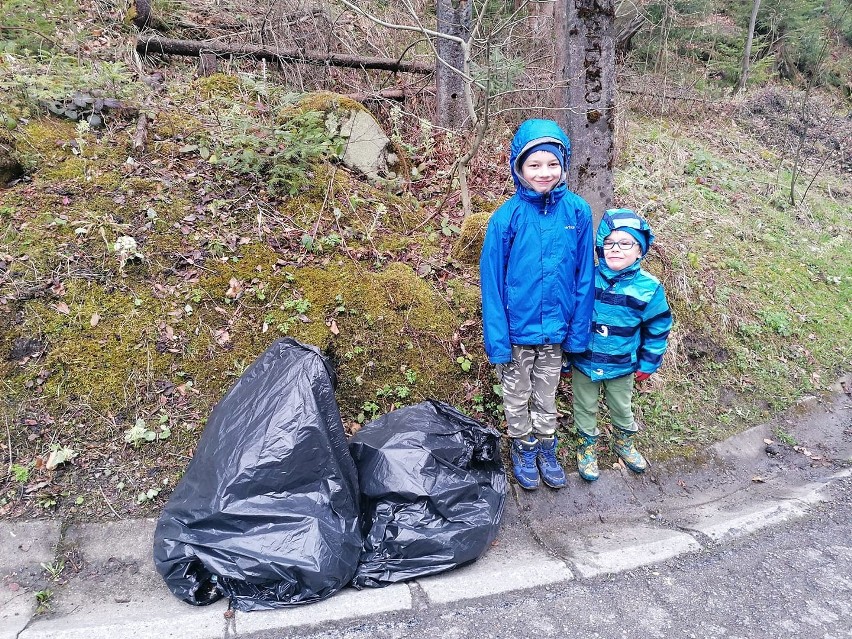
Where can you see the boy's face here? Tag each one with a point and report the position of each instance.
(618, 258)
(542, 170)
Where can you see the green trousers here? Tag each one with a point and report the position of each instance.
(618, 395)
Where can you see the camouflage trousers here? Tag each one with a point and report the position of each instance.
(529, 389)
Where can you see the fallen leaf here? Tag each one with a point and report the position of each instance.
(62, 307)
(222, 336)
(235, 289)
(95, 319)
(59, 456)
(332, 326)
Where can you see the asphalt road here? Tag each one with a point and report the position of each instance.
(794, 580)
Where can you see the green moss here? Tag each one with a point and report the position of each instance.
(324, 101)
(386, 323)
(374, 325)
(218, 85)
(468, 246)
(42, 142)
(101, 352)
(171, 124)
(465, 297)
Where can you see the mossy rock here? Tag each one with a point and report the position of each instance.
(367, 149)
(468, 246)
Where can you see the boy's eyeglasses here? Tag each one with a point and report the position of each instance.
(624, 245)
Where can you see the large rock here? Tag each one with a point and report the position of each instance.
(367, 149)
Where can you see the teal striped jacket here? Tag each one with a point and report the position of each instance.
(630, 325)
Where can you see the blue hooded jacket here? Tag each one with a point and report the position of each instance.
(536, 267)
(632, 319)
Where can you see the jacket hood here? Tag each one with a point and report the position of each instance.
(623, 220)
(529, 134)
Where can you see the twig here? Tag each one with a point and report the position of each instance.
(141, 134)
(109, 504)
(9, 439)
(816, 174)
(33, 31)
(666, 96)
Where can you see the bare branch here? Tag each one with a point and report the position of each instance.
(401, 27)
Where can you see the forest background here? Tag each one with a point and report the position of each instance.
(165, 218)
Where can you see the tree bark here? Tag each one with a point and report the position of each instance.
(586, 72)
(154, 44)
(747, 53)
(454, 18)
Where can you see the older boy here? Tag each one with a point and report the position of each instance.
(536, 272)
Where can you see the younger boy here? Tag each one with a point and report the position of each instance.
(630, 330)
(536, 272)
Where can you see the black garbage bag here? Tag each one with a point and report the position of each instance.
(267, 512)
(432, 492)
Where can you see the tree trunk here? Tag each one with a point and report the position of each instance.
(747, 53)
(147, 45)
(586, 70)
(541, 16)
(454, 17)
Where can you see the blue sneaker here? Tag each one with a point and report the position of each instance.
(524, 452)
(551, 471)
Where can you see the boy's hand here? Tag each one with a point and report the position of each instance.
(641, 376)
(565, 373)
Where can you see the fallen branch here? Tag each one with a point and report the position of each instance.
(153, 44)
(141, 134)
(667, 96)
(386, 94)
